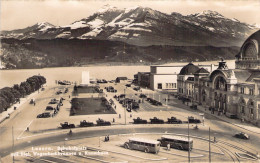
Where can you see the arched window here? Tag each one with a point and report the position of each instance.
(220, 83)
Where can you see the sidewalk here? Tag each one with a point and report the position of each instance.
(236, 122)
(5, 115)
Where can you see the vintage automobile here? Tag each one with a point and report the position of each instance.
(242, 135)
(137, 88)
(174, 120)
(66, 125)
(138, 120)
(44, 115)
(84, 123)
(101, 122)
(58, 92)
(155, 120)
(193, 120)
(142, 95)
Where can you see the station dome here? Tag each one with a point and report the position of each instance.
(250, 48)
(249, 55)
(189, 69)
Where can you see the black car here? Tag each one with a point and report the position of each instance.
(128, 85)
(155, 120)
(242, 135)
(101, 122)
(193, 120)
(84, 123)
(44, 115)
(137, 88)
(138, 120)
(142, 95)
(66, 125)
(174, 120)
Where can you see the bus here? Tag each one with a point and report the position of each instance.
(177, 142)
(141, 144)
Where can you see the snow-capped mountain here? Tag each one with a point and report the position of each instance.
(145, 26)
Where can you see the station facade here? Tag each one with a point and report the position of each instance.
(233, 92)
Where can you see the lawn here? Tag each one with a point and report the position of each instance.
(86, 89)
(88, 106)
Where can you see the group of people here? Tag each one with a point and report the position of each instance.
(107, 138)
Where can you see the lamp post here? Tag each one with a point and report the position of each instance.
(125, 108)
(188, 141)
(13, 142)
(209, 147)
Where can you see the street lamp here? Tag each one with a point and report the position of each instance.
(125, 108)
(188, 140)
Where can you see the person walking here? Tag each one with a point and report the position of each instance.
(168, 147)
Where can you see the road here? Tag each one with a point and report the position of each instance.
(27, 114)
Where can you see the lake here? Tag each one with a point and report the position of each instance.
(11, 77)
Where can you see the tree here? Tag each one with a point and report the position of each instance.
(3, 104)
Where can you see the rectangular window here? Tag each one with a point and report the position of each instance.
(242, 90)
(167, 85)
(251, 91)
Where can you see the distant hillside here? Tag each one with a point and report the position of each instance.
(34, 53)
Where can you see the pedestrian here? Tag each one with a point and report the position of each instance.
(215, 139)
(168, 147)
(130, 115)
(113, 119)
(119, 115)
(28, 129)
(34, 103)
(115, 106)
(69, 96)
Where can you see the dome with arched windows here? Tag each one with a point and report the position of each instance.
(249, 55)
(189, 69)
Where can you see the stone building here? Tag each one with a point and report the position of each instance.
(233, 92)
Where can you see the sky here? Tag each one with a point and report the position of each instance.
(16, 14)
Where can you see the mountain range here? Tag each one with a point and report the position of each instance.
(136, 28)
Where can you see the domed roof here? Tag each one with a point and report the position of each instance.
(250, 48)
(189, 69)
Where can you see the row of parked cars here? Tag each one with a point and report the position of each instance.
(127, 102)
(84, 123)
(171, 120)
(154, 102)
(52, 109)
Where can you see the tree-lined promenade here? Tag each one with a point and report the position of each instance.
(11, 95)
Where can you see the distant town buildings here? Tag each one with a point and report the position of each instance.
(233, 92)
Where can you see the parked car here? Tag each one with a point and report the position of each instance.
(44, 115)
(66, 125)
(155, 120)
(128, 85)
(137, 88)
(241, 135)
(84, 123)
(58, 92)
(101, 122)
(193, 120)
(174, 120)
(142, 95)
(138, 120)
(195, 107)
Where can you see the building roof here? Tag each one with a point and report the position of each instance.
(202, 71)
(189, 69)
